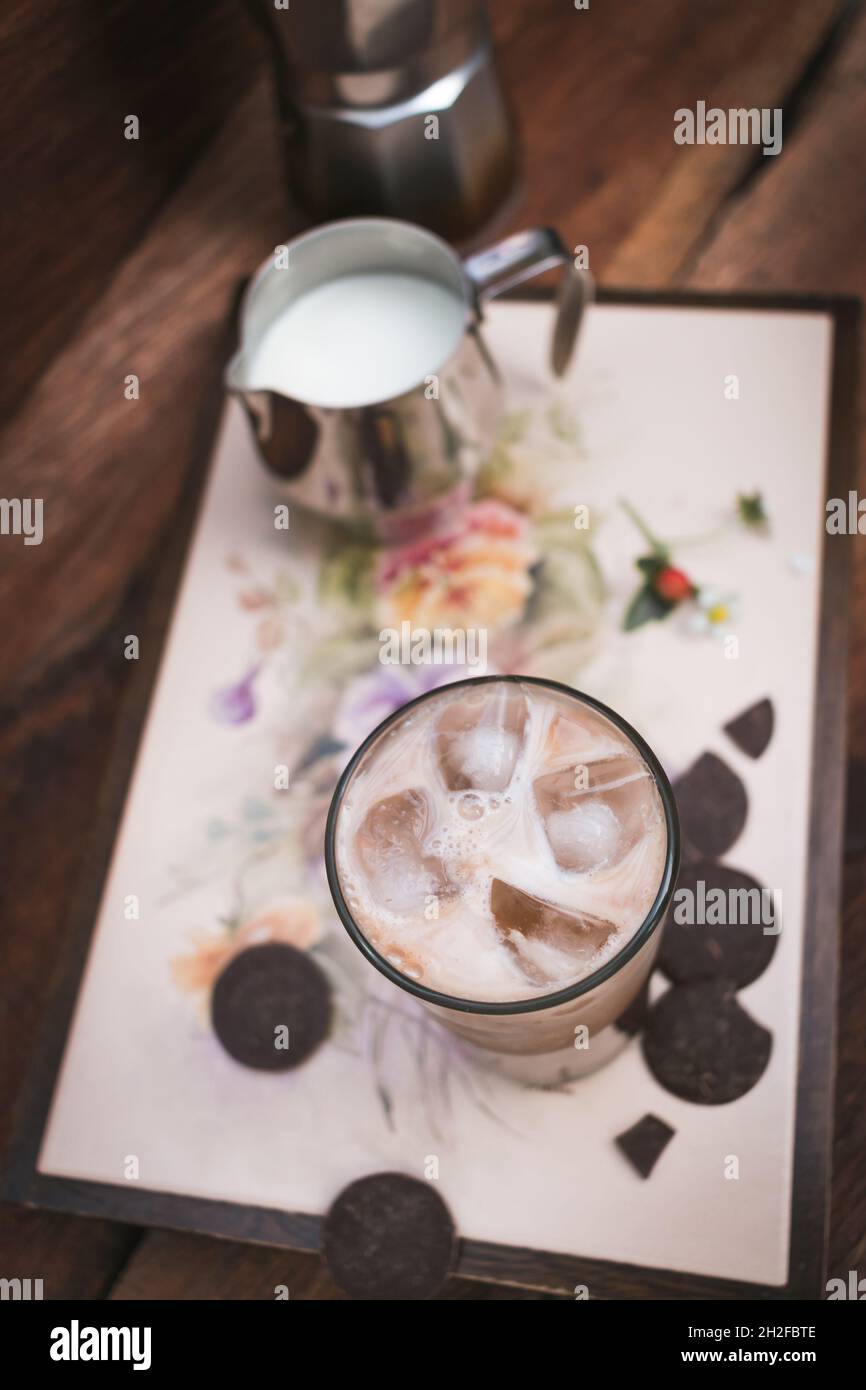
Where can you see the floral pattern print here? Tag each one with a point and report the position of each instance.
(518, 563)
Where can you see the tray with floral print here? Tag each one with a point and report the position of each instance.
(704, 432)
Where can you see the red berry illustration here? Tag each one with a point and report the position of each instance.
(673, 585)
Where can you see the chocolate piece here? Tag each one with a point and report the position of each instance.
(264, 989)
(738, 948)
(633, 1020)
(752, 730)
(712, 804)
(644, 1143)
(389, 1236)
(702, 1046)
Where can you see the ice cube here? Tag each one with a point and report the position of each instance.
(479, 738)
(550, 943)
(403, 876)
(594, 813)
(580, 737)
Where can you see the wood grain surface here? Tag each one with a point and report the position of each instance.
(595, 94)
(77, 194)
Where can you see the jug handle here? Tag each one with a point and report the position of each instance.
(510, 262)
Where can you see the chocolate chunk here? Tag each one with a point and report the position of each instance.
(737, 947)
(263, 991)
(644, 1143)
(702, 1046)
(752, 730)
(712, 803)
(634, 1018)
(389, 1236)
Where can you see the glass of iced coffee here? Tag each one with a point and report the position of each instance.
(505, 848)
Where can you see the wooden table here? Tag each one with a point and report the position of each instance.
(594, 92)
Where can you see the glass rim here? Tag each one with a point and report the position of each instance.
(536, 1003)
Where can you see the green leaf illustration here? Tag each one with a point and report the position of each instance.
(347, 576)
(646, 607)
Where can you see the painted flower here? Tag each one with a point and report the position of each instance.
(252, 600)
(475, 574)
(534, 478)
(371, 698)
(713, 613)
(270, 634)
(236, 704)
(294, 921)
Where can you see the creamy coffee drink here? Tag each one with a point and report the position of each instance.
(501, 841)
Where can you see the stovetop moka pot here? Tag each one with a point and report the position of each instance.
(391, 107)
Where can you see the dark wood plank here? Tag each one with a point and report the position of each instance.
(171, 1265)
(77, 194)
(595, 93)
(73, 858)
(109, 469)
(800, 222)
(848, 1198)
(804, 222)
(54, 756)
(74, 1257)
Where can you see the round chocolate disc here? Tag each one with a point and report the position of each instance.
(389, 1236)
(712, 805)
(271, 1007)
(724, 927)
(702, 1046)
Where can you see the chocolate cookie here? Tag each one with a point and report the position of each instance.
(712, 805)
(644, 1143)
(737, 947)
(702, 1046)
(268, 996)
(389, 1236)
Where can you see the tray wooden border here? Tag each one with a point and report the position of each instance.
(19, 1180)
